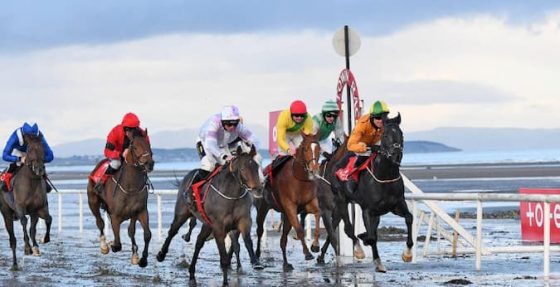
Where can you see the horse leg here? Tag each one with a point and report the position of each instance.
(371, 223)
(44, 214)
(33, 234)
(145, 222)
(131, 232)
(116, 225)
(332, 238)
(244, 226)
(302, 217)
(178, 220)
(286, 227)
(402, 210)
(94, 205)
(262, 210)
(192, 224)
(291, 216)
(23, 221)
(9, 224)
(342, 207)
(315, 244)
(219, 236)
(205, 231)
(234, 248)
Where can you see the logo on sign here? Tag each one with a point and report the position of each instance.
(532, 217)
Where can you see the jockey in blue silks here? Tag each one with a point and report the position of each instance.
(15, 151)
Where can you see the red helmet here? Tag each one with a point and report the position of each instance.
(130, 120)
(298, 107)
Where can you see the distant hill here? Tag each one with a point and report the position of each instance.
(476, 139)
(426, 147)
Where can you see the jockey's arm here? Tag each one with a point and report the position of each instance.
(10, 145)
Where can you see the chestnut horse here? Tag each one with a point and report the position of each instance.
(125, 196)
(29, 197)
(292, 190)
(226, 207)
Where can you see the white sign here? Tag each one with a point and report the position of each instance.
(354, 42)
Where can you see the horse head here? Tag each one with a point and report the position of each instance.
(35, 154)
(392, 140)
(308, 153)
(246, 170)
(140, 152)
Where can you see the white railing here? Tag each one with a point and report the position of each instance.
(496, 197)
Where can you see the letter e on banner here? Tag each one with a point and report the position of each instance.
(532, 217)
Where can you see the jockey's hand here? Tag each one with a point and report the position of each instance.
(227, 157)
(374, 148)
(362, 147)
(125, 153)
(291, 151)
(22, 158)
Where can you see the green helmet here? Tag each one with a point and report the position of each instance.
(330, 106)
(378, 109)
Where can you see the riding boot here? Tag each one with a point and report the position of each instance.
(198, 176)
(100, 185)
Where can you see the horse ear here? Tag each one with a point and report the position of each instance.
(253, 151)
(397, 119)
(239, 150)
(146, 130)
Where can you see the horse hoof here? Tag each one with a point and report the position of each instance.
(359, 253)
(258, 266)
(14, 268)
(28, 250)
(46, 240)
(379, 266)
(160, 256)
(321, 260)
(104, 249)
(36, 251)
(134, 260)
(309, 257)
(186, 237)
(288, 267)
(143, 262)
(339, 262)
(406, 256)
(315, 248)
(116, 248)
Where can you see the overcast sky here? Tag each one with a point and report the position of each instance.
(75, 67)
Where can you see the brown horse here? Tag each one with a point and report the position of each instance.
(125, 196)
(29, 197)
(227, 206)
(292, 190)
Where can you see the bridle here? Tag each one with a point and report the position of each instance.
(392, 151)
(302, 161)
(238, 176)
(137, 159)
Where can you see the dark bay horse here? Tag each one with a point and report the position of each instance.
(292, 190)
(227, 207)
(29, 197)
(381, 190)
(125, 196)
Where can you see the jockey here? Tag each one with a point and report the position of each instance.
(15, 152)
(291, 123)
(117, 142)
(218, 137)
(327, 123)
(367, 133)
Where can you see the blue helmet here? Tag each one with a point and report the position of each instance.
(28, 129)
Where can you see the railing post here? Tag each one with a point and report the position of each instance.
(159, 216)
(414, 230)
(59, 212)
(81, 196)
(546, 240)
(478, 247)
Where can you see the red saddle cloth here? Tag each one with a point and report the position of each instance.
(99, 174)
(200, 196)
(344, 173)
(6, 177)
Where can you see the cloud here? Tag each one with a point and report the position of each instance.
(445, 72)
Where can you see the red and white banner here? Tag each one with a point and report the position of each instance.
(532, 217)
(272, 144)
(347, 78)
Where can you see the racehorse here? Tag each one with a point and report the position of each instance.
(226, 206)
(290, 191)
(125, 196)
(380, 190)
(29, 197)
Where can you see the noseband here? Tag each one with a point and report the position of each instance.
(305, 163)
(137, 159)
(238, 177)
(389, 151)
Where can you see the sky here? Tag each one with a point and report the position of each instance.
(76, 67)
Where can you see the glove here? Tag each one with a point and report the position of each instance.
(291, 151)
(375, 148)
(226, 157)
(362, 147)
(22, 159)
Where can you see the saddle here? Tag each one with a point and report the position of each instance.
(275, 165)
(99, 173)
(200, 195)
(350, 171)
